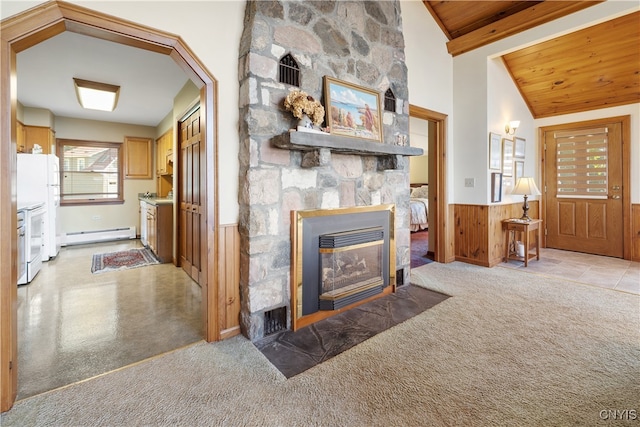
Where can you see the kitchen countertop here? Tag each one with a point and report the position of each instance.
(156, 200)
(25, 206)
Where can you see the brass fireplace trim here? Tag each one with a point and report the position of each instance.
(350, 247)
(371, 283)
(297, 218)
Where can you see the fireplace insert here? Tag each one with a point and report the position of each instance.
(341, 257)
(350, 266)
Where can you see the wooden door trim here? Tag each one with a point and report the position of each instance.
(438, 161)
(25, 30)
(626, 173)
(209, 107)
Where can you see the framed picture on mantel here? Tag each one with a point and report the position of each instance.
(352, 110)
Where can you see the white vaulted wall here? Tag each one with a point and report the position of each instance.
(430, 68)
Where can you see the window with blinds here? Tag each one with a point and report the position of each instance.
(91, 172)
(582, 163)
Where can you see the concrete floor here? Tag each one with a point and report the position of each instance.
(74, 325)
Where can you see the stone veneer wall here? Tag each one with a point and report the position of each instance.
(356, 41)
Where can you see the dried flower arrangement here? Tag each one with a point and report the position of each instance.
(300, 103)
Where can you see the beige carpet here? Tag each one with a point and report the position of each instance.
(509, 348)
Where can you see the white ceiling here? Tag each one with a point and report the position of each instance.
(148, 81)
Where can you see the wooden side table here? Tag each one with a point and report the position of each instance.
(511, 226)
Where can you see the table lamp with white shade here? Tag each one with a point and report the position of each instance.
(525, 186)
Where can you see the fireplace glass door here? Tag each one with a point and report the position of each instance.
(351, 266)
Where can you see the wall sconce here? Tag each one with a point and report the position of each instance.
(511, 127)
(96, 96)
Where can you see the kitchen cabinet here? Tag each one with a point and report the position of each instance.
(164, 154)
(164, 163)
(20, 137)
(159, 226)
(41, 135)
(137, 158)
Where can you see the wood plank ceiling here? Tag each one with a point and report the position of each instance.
(593, 68)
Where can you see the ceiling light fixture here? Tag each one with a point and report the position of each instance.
(511, 127)
(96, 96)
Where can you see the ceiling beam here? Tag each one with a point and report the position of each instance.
(436, 18)
(538, 14)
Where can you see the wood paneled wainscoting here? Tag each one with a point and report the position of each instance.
(635, 232)
(229, 280)
(479, 237)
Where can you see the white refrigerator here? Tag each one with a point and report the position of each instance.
(38, 177)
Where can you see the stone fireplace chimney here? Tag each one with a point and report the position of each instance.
(359, 42)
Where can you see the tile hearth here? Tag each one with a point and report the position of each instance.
(295, 352)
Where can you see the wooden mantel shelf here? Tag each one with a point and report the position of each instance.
(311, 141)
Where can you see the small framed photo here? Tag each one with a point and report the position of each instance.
(495, 152)
(507, 157)
(507, 184)
(496, 187)
(352, 110)
(519, 168)
(519, 147)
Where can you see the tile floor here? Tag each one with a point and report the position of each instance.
(74, 325)
(601, 271)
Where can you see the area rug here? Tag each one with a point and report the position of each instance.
(122, 260)
(295, 352)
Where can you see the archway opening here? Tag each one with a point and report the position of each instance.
(26, 30)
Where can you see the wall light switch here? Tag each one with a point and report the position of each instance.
(469, 182)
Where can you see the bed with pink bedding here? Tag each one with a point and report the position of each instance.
(419, 207)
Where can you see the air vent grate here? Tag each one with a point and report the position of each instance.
(389, 101)
(275, 320)
(400, 277)
(289, 71)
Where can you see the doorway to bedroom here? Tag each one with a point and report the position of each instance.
(421, 132)
(440, 216)
(427, 130)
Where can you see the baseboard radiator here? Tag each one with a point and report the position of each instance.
(81, 237)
